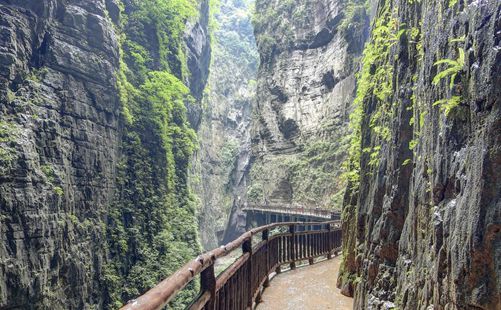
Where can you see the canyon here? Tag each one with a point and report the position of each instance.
(133, 134)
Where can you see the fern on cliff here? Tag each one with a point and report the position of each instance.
(375, 80)
(454, 66)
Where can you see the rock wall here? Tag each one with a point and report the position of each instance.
(152, 222)
(84, 92)
(424, 214)
(59, 136)
(306, 83)
(221, 164)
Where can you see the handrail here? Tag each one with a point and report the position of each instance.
(240, 284)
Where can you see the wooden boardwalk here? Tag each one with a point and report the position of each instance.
(262, 251)
(307, 288)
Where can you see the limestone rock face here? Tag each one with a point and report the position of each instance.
(198, 58)
(426, 214)
(221, 164)
(59, 133)
(62, 138)
(305, 88)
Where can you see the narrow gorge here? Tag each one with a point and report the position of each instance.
(136, 135)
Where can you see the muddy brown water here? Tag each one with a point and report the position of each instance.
(306, 288)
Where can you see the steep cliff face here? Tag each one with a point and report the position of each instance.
(425, 207)
(59, 120)
(223, 158)
(306, 84)
(152, 223)
(85, 96)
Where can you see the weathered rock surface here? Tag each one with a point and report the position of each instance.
(62, 138)
(426, 216)
(306, 84)
(221, 164)
(198, 58)
(59, 119)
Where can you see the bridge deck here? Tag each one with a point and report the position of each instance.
(293, 210)
(312, 288)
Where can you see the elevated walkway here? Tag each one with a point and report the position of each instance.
(264, 251)
(258, 215)
(308, 288)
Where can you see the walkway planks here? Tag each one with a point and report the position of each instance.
(307, 288)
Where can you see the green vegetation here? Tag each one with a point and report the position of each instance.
(36, 75)
(151, 225)
(452, 3)
(214, 9)
(11, 96)
(447, 105)
(229, 152)
(354, 12)
(453, 68)
(73, 218)
(7, 151)
(51, 179)
(7, 132)
(58, 191)
(313, 175)
(375, 82)
(417, 39)
(158, 26)
(48, 171)
(281, 16)
(255, 193)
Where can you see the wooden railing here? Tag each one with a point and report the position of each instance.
(240, 285)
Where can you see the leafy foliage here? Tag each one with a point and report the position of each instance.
(375, 80)
(58, 191)
(313, 176)
(282, 17)
(157, 27)
(353, 11)
(447, 105)
(454, 66)
(8, 154)
(151, 227)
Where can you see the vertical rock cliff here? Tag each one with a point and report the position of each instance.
(59, 136)
(422, 214)
(99, 102)
(221, 164)
(152, 223)
(306, 83)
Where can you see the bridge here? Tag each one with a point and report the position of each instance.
(258, 215)
(265, 250)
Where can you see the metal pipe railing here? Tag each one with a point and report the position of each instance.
(239, 286)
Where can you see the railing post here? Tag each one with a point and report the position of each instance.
(247, 248)
(337, 240)
(329, 242)
(266, 237)
(208, 284)
(292, 248)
